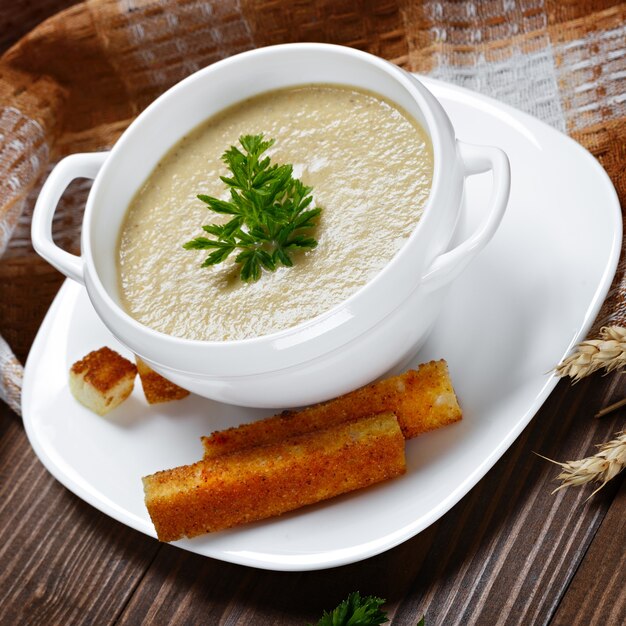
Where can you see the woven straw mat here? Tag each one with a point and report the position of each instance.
(76, 81)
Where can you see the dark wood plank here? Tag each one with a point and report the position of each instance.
(597, 595)
(504, 555)
(184, 588)
(63, 562)
(507, 552)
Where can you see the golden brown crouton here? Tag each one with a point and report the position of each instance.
(156, 388)
(260, 482)
(102, 380)
(422, 400)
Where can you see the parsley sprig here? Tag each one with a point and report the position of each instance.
(356, 611)
(269, 208)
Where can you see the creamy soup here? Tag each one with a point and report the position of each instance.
(370, 166)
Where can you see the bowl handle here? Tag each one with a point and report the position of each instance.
(476, 160)
(85, 165)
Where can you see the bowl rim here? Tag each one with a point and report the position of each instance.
(337, 315)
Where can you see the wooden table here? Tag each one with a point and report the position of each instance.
(509, 553)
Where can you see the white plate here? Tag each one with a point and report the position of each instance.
(508, 320)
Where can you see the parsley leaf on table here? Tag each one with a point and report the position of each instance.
(356, 611)
(270, 218)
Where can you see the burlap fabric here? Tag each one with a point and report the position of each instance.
(77, 80)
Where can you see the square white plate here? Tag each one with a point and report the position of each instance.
(507, 321)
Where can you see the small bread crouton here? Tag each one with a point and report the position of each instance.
(260, 482)
(102, 380)
(157, 388)
(422, 399)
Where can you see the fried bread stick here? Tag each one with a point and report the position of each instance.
(421, 399)
(264, 481)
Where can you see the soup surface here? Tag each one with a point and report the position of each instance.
(370, 167)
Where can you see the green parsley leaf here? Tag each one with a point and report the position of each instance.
(356, 611)
(270, 213)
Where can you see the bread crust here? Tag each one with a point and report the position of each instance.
(157, 388)
(422, 399)
(103, 368)
(264, 481)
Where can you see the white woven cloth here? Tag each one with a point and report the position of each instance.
(570, 83)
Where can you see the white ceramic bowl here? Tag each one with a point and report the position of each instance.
(377, 328)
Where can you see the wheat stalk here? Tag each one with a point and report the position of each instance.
(608, 353)
(599, 468)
